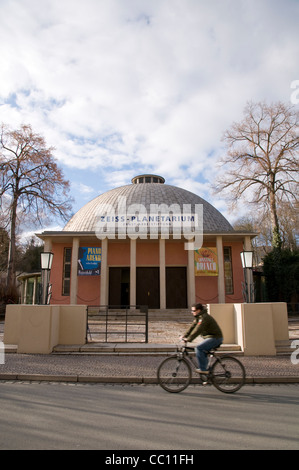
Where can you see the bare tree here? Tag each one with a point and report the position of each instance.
(31, 184)
(262, 159)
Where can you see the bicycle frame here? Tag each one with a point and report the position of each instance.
(222, 373)
(184, 352)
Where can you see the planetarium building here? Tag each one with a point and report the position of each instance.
(147, 243)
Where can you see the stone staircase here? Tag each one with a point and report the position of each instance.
(164, 329)
(283, 347)
(172, 315)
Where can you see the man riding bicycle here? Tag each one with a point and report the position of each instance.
(207, 327)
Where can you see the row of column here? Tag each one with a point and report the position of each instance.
(162, 266)
(105, 275)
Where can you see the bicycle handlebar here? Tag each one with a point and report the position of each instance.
(187, 348)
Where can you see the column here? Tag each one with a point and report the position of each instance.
(104, 273)
(133, 243)
(47, 244)
(162, 273)
(191, 278)
(34, 290)
(74, 271)
(24, 300)
(221, 279)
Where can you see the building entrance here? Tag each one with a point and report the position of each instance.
(119, 286)
(176, 287)
(148, 287)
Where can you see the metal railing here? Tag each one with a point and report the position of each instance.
(117, 323)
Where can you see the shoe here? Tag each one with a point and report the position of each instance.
(206, 372)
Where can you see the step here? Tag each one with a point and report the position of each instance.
(152, 313)
(131, 348)
(177, 315)
(283, 347)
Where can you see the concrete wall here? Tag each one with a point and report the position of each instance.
(255, 327)
(258, 330)
(73, 322)
(37, 329)
(12, 325)
(224, 315)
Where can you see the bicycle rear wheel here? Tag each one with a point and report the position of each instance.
(174, 374)
(228, 374)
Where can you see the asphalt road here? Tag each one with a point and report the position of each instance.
(145, 417)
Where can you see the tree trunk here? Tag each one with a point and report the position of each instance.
(11, 274)
(276, 239)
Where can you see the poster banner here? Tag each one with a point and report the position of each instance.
(89, 261)
(206, 262)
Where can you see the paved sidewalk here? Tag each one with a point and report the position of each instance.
(137, 368)
(127, 369)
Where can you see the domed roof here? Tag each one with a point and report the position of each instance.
(146, 190)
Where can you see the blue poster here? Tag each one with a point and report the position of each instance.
(89, 261)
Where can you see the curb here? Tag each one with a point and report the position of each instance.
(127, 380)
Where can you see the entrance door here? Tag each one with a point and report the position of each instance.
(148, 287)
(176, 287)
(119, 286)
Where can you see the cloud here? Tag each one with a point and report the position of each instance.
(83, 188)
(127, 87)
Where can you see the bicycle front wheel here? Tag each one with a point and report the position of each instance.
(228, 374)
(174, 374)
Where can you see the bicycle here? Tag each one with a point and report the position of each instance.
(225, 372)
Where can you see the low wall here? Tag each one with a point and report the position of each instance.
(37, 329)
(254, 327)
(73, 321)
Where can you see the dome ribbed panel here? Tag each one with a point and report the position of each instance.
(147, 194)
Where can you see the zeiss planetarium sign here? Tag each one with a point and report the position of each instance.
(137, 221)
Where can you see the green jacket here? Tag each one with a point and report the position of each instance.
(205, 326)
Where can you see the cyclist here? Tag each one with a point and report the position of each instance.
(207, 327)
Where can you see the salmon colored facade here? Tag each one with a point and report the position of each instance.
(157, 271)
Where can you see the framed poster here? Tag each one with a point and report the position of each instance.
(89, 261)
(206, 262)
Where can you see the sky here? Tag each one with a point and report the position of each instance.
(126, 87)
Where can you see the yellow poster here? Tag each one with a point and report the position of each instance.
(206, 262)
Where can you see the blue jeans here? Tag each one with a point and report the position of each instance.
(203, 348)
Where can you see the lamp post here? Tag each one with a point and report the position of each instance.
(247, 264)
(46, 266)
